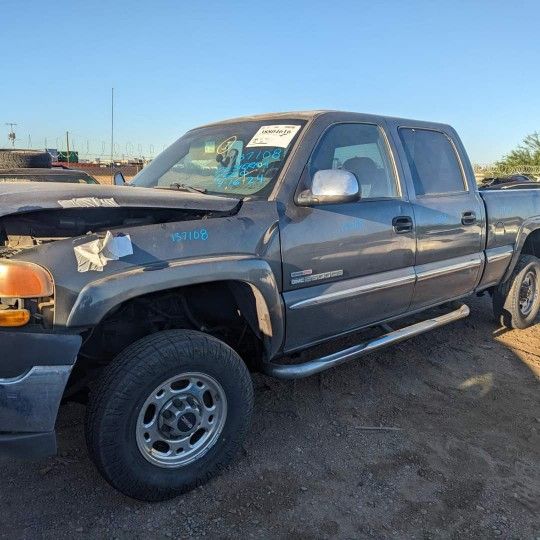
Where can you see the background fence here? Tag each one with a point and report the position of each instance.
(88, 149)
(99, 152)
(482, 171)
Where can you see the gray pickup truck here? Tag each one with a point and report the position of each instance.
(242, 245)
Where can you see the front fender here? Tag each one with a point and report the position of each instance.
(98, 297)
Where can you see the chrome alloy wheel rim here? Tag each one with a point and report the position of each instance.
(181, 420)
(528, 293)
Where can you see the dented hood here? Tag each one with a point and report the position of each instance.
(29, 197)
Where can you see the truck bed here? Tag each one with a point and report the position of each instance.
(510, 217)
(508, 213)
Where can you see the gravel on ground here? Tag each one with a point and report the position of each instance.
(437, 437)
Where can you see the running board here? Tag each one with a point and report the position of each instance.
(298, 371)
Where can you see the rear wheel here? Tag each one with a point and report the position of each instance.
(171, 411)
(517, 301)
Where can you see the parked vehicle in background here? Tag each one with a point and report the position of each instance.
(513, 181)
(245, 242)
(34, 166)
(71, 176)
(11, 158)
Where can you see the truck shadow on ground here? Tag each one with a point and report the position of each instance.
(435, 437)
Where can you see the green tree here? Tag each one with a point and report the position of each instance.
(526, 154)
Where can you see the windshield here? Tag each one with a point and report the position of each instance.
(241, 159)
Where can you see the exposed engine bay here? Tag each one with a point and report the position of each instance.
(22, 231)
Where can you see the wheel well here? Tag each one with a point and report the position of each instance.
(532, 244)
(224, 309)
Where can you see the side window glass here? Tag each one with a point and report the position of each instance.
(362, 150)
(432, 160)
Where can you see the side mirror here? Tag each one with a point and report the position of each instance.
(119, 179)
(333, 186)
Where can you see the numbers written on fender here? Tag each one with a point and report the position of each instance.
(187, 236)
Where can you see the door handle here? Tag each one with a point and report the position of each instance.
(402, 224)
(468, 218)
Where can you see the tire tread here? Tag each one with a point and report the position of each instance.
(132, 365)
(506, 296)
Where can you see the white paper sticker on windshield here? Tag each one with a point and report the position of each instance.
(279, 135)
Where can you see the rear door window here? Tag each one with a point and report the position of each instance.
(433, 162)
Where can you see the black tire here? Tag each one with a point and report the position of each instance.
(24, 159)
(508, 295)
(114, 408)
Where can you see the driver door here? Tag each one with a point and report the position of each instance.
(348, 265)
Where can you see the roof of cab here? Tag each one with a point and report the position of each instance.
(339, 115)
(300, 115)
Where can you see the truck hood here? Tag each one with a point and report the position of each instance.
(18, 198)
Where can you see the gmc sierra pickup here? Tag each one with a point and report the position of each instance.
(244, 242)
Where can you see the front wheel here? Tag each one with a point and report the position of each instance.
(517, 301)
(170, 412)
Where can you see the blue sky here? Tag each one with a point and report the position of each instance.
(177, 64)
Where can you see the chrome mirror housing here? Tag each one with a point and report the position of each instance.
(332, 186)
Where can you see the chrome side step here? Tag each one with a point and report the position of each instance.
(297, 371)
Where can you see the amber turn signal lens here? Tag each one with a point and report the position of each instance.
(24, 280)
(14, 317)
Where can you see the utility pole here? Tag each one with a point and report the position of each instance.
(67, 146)
(11, 135)
(112, 128)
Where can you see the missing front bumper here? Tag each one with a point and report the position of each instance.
(29, 401)
(28, 445)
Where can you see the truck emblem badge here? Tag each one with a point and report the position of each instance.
(302, 277)
(301, 273)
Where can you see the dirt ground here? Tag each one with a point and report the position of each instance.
(462, 459)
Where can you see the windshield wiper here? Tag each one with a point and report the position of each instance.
(185, 187)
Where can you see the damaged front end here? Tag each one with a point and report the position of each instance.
(54, 239)
(42, 213)
(94, 219)
(35, 363)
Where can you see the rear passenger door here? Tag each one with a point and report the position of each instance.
(449, 216)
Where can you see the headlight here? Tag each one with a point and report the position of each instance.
(20, 279)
